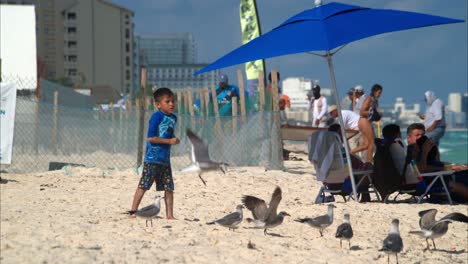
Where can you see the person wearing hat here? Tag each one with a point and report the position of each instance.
(348, 102)
(224, 94)
(318, 104)
(350, 122)
(359, 98)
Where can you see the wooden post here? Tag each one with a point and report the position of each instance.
(274, 90)
(190, 107)
(234, 114)
(141, 119)
(202, 103)
(261, 90)
(55, 129)
(179, 102)
(216, 111)
(206, 93)
(37, 125)
(215, 100)
(240, 81)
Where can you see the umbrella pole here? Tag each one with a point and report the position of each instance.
(340, 120)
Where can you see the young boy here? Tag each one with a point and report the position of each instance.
(157, 166)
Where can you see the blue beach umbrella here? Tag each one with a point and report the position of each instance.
(324, 28)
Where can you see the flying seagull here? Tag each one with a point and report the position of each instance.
(430, 228)
(149, 212)
(319, 222)
(265, 217)
(393, 244)
(201, 161)
(231, 220)
(345, 231)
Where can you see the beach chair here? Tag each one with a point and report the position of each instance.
(432, 190)
(331, 167)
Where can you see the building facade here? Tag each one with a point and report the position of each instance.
(180, 76)
(89, 42)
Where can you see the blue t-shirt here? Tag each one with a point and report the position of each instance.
(161, 125)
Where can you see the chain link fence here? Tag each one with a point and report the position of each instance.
(54, 130)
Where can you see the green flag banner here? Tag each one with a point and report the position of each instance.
(250, 29)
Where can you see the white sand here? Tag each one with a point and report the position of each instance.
(52, 217)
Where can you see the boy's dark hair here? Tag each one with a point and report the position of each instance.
(334, 128)
(391, 132)
(160, 92)
(376, 87)
(418, 126)
(277, 74)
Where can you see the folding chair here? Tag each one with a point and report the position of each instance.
(326, 155)
(438, 176)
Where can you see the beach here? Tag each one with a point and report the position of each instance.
(75, 216)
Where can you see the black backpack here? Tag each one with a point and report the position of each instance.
(386, 178)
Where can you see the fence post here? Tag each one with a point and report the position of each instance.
(240, 81)
(141, 117)
(261, 88)
(234, 114)
(190, 107)
(55, 129)
(37, 126)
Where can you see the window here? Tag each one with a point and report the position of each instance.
(72, 44)
(127, 47)
(127, 61)
(72, 72)
(71, 16)
(127, 33)
(71, 30)
(127, 75)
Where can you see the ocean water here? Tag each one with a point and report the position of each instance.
(453, 147)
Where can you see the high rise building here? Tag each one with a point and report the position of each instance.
(171, 61)
(89, 42)
(455, 102)
(465, 103)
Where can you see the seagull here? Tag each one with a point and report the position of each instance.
(265, 217)
(319, 222)
(393, 242)
(231, 220)
(201, 161)
(149, 212)
(430, 228)
(345, 231)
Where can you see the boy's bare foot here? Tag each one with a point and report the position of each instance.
(171, 218)
(131, 216)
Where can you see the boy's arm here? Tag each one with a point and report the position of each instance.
(168, 141)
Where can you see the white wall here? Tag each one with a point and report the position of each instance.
(18, 43)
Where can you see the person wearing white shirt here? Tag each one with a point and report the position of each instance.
(351, 122)
(359, 98)
(434, 119)
(319, 108)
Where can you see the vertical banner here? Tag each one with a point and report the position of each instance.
(250, 27)
(7, 120)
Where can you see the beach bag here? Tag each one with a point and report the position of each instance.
(374, 115)
(386, 177)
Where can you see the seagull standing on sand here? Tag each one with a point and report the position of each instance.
(151, 211)
(393, 244)
(231, 220)
(265, 217)
(345, 231)
(430, 228)
(201, 161)
(319, 222)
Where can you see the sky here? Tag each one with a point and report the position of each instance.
(405, 63)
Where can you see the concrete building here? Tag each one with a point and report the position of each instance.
(180, 76)
(465, 103)
(455, 102)
(404, 114)
(296, 88)
(88, 41)
(171, 61)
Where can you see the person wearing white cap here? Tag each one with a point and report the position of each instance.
(351, 122)
(319, 108)
(434, 119)
(359, 98)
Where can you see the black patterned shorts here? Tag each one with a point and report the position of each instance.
(161, 174)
